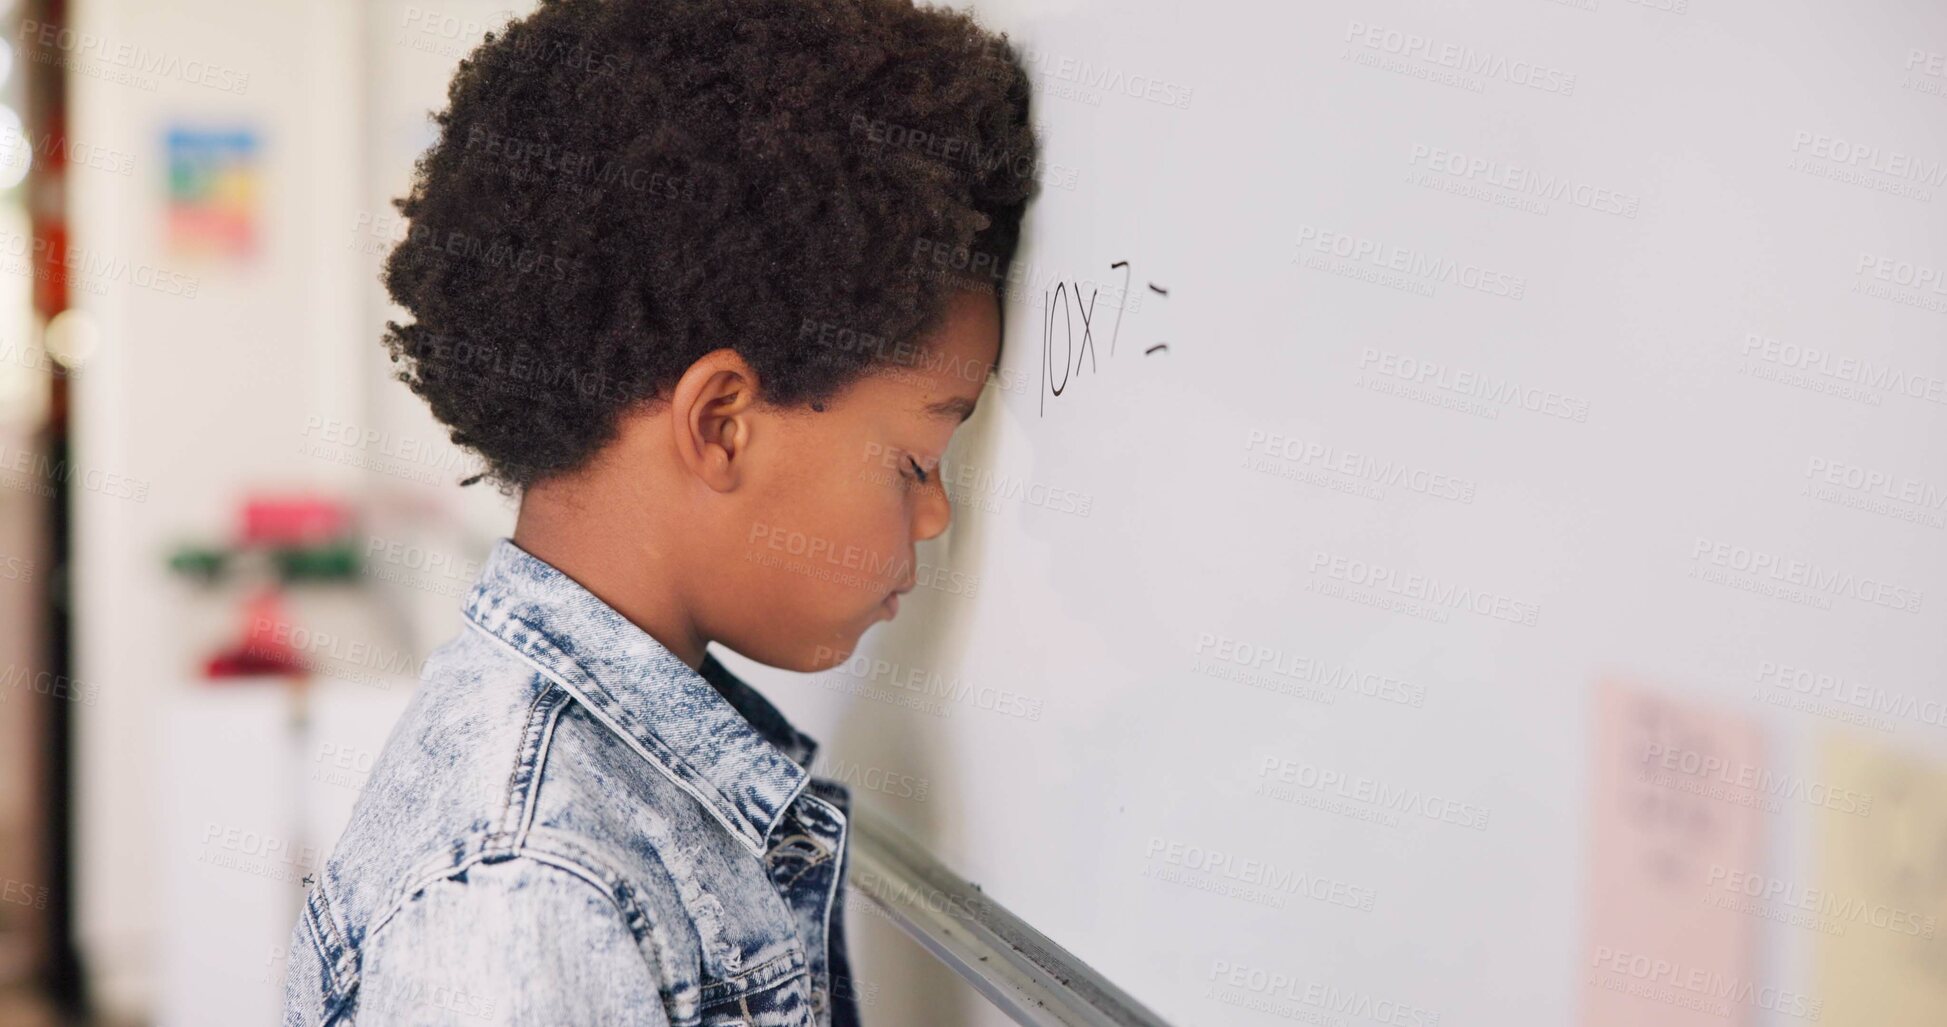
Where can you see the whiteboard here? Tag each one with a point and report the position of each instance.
(1512, 592)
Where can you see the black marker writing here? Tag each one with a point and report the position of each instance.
(1069, 299)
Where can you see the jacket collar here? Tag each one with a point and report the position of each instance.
(707, 730)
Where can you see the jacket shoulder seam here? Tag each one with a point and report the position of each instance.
(519, 800)
(601, 879)
(550, 850)
(662, 759)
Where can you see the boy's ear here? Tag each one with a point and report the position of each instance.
(711, 417)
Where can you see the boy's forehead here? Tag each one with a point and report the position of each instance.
(948, 368)
(927, 393)
(932, 392)
(938, 379)
(948, 382)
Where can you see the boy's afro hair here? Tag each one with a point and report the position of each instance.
(621, 186)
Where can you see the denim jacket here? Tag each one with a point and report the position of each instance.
(568, 825)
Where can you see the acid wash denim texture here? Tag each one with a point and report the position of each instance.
(570, 826)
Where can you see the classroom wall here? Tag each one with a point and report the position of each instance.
(202, 387)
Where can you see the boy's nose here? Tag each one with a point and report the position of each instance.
(932, 516)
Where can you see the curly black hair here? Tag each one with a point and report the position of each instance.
(621, 186)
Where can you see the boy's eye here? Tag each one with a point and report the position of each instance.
(917, 469)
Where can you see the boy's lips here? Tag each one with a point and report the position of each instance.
(892, 602)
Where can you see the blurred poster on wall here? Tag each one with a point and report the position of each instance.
(1673, 811)
(1882, 880)
(211, 207)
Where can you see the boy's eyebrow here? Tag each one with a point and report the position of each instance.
(958, 407)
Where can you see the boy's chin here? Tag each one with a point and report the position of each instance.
(831, 653)
(807, 649)
(814, 656)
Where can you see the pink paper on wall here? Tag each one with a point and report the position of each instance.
(1671, 811)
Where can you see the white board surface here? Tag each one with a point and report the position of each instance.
(1511, 349)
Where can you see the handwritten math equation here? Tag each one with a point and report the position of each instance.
(1061, 308)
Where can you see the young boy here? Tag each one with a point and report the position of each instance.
(709, 284)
